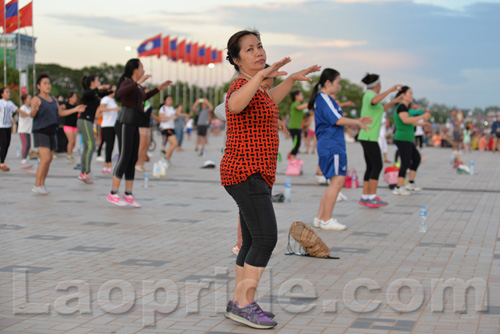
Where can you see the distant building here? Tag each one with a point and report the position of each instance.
(18, 58)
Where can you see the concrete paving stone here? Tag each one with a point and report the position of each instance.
(187, 227)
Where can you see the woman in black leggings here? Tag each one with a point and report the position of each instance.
(109, 111)
(372, 107)
(403, 138)
(130, 93)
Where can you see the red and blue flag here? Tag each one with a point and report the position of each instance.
(150, 47)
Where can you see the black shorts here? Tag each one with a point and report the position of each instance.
(45, 140)
(168, 132)
(202, 130)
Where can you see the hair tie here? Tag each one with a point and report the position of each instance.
(373, 84)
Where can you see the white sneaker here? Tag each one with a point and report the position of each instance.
(332, 225)
(316, 222)
(99, 159)
(40, 190)
(341, 197)
(412, 187)
(401, 192)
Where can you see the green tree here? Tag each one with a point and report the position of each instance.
(12, 82)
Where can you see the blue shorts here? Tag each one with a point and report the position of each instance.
(334, 164)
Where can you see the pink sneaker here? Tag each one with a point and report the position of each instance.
(115, 199)
(110, 171)
(85, 178)
(104, 170)
(131, 200)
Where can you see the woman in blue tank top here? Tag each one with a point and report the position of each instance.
(45, 112)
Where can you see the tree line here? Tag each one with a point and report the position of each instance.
(65, 80)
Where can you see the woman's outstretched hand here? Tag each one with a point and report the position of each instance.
(363, 121)
(165, 85)
(302, 75)
(273, 71)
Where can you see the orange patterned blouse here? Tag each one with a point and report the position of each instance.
(252, 139)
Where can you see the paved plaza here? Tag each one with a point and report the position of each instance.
(70, 262)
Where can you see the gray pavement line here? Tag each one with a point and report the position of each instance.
(315, 185)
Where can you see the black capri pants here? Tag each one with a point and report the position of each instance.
(373, 159)
(410, 157)
(129, 152)
(419, 141)
(108, 138)
(5, 137)
(118, 132)
(258, 221)
(296, 135)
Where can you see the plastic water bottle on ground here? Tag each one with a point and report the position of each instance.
(354, 178)
(146, 179)
(423, 220)
(156, 169)
(35, 166)
(288, 190)
(471, 166)
(18, 152)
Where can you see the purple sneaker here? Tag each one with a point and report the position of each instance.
(270, 315)
(252, 316)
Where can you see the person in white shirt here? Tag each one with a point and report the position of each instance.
(24, 129)
(109, 111)
(167, 115)
(382, 139)
(7, 109)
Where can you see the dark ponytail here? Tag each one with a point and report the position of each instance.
(328, 74)
(87, 80)
(403, 90)
(130, 66)
(370, 78)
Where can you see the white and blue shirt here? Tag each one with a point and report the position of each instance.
(7, 108)
(330, 136)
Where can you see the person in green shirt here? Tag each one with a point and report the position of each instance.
(372, 107)
(297, 110)
(403, 138)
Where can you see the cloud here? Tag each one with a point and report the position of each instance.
(455, 5)
(341, 44)
(285, 39)
(111, 26)
(366, 1)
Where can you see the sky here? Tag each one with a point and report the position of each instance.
(448, 51)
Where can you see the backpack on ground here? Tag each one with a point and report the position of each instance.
(391, 174)
(350, 178)
(310, 243)
(294, 167)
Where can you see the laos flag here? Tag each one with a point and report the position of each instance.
(150, 47)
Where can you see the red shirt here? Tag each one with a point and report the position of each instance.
(252, 139)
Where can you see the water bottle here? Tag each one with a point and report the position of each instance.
(288, 190)
(146, 179)
(471, 167)
(18, 152)
(354, 178)
(156, 169)
(423, 220)
(36, 164)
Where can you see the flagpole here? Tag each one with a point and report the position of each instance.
(169, 54)
(18, 55)
(177, 82)
(184, 93)
(161, 69)
(33, 46)
(4, 48)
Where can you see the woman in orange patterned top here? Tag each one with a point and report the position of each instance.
(248, 168)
